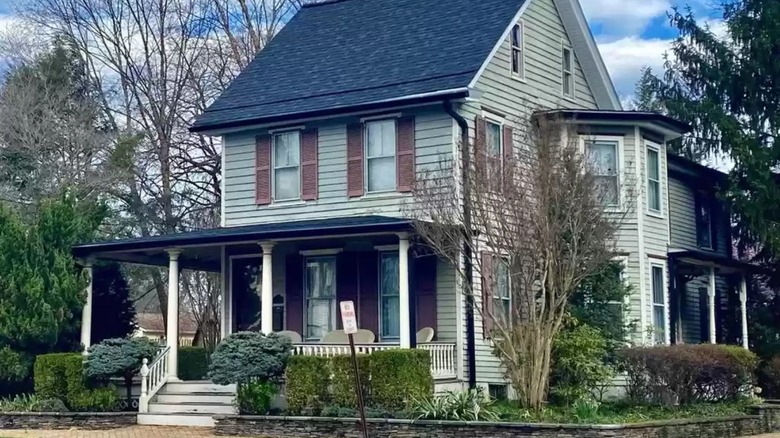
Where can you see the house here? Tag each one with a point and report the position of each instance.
(323, 135)
(150, 326)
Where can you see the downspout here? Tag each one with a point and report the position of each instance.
(471, 357)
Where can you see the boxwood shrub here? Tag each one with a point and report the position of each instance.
(343, 380)
(193, 363)
(398, 376)
(61, 376)
(307, 384)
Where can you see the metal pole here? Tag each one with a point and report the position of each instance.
(358, 387)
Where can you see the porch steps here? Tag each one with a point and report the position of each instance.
(189, 404)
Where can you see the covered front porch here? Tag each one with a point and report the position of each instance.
(289, 278)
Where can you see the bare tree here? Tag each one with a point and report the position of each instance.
(538, 228)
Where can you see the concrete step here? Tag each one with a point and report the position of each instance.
(197, 397)
(191, 408)
(179, 419)
(200, 386)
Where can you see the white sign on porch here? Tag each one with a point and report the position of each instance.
(348, 317)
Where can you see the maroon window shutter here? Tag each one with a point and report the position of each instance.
(509, 151)
(425, 291)
(480, 142)
(487, 293)
(355, 160)
(368, 278)
(405, 163)
(263, 170)
(293, 285)
(309, 171)
(346, 282)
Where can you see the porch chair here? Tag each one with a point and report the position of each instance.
(425, 335)
(294, 337)
(339, 337)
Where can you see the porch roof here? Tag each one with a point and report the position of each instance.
(201, 249)
(705, 258)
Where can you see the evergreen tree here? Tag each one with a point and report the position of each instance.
(645, 96)
(113, 314)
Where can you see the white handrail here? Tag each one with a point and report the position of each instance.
(153, 377)
(443, 359)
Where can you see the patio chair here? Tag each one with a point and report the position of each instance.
(425, 335)
(335, 337)
(294, 337)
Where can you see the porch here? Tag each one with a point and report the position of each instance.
(290, 277)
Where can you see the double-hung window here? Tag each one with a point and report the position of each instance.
(502, 292)
(380, 155)
(494, 149)
(287, 165)
(704, 225)
(567, 67)
(518, 60)
(659, 304)
(389, 295)
(653, 179)
(602, 159)
(320, 293)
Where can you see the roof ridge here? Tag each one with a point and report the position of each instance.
(316, 3)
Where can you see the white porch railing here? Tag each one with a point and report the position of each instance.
(443, 360)
(153, 377)
(443, 357)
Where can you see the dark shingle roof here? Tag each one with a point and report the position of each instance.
(348, 53)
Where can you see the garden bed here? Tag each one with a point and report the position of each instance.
(762, 419)
(67, 420)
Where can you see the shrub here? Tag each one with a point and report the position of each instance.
(399, 376)
(96, 400)
(61, 377)
(578, 367)
(687, 374)
(120, 357)
(470, 405)
(14, 367)
(248, 356)
(254, 398)
(193, 363)
(307, 384)
(769, 377)
(343, 380)
(31, 403)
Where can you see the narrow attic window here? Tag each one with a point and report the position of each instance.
(518, 54)
(567, 64)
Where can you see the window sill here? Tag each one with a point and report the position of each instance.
(656, 214)
(287, 203)
(380, 195)
(518, 78)
(571, 99)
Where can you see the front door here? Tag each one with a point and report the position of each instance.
(246, 276)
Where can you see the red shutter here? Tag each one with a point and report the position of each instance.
(263, 170)
(486, 269)
(480, 143)
(294, 293)
(405, 141)
(509, 155)
(309, 173)
(355, 160)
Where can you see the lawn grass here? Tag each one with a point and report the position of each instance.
(620, 413)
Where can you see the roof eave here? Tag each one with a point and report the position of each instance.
(416, 99)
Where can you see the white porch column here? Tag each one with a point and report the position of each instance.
(267, 295)
(172, 334)
(403, 291)
(223, 293)
(711, 293)
(743, 311)
(86, 312)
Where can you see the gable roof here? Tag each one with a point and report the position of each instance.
(347, 53)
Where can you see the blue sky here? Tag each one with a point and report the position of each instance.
(636, 33)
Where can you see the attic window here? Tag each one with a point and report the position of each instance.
(518, 61)
(567, 63)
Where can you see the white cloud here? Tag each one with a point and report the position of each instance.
(623, 17)
(625, 58)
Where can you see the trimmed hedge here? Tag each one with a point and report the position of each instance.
(398, 376)
(343, 380)
(193, 363)
(307, 384)
(61, 376)
(686, 374)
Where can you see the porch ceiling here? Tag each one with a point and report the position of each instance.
(201, 250)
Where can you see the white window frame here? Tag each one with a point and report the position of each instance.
(274, 167)
(653, 304)
(334, 299)
(619, 141)
(367, 158)
(519, 75)
(567, 75)
(382, 295)
(499, 121)
(652, 147)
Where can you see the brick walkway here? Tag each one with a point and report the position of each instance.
(129, 432)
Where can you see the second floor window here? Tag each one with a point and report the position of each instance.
(380, 156)
(286, 166)
(602, 158)
(568, 71)
(494, 148)
(653, 180)
(704, 225)
(518, 62)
